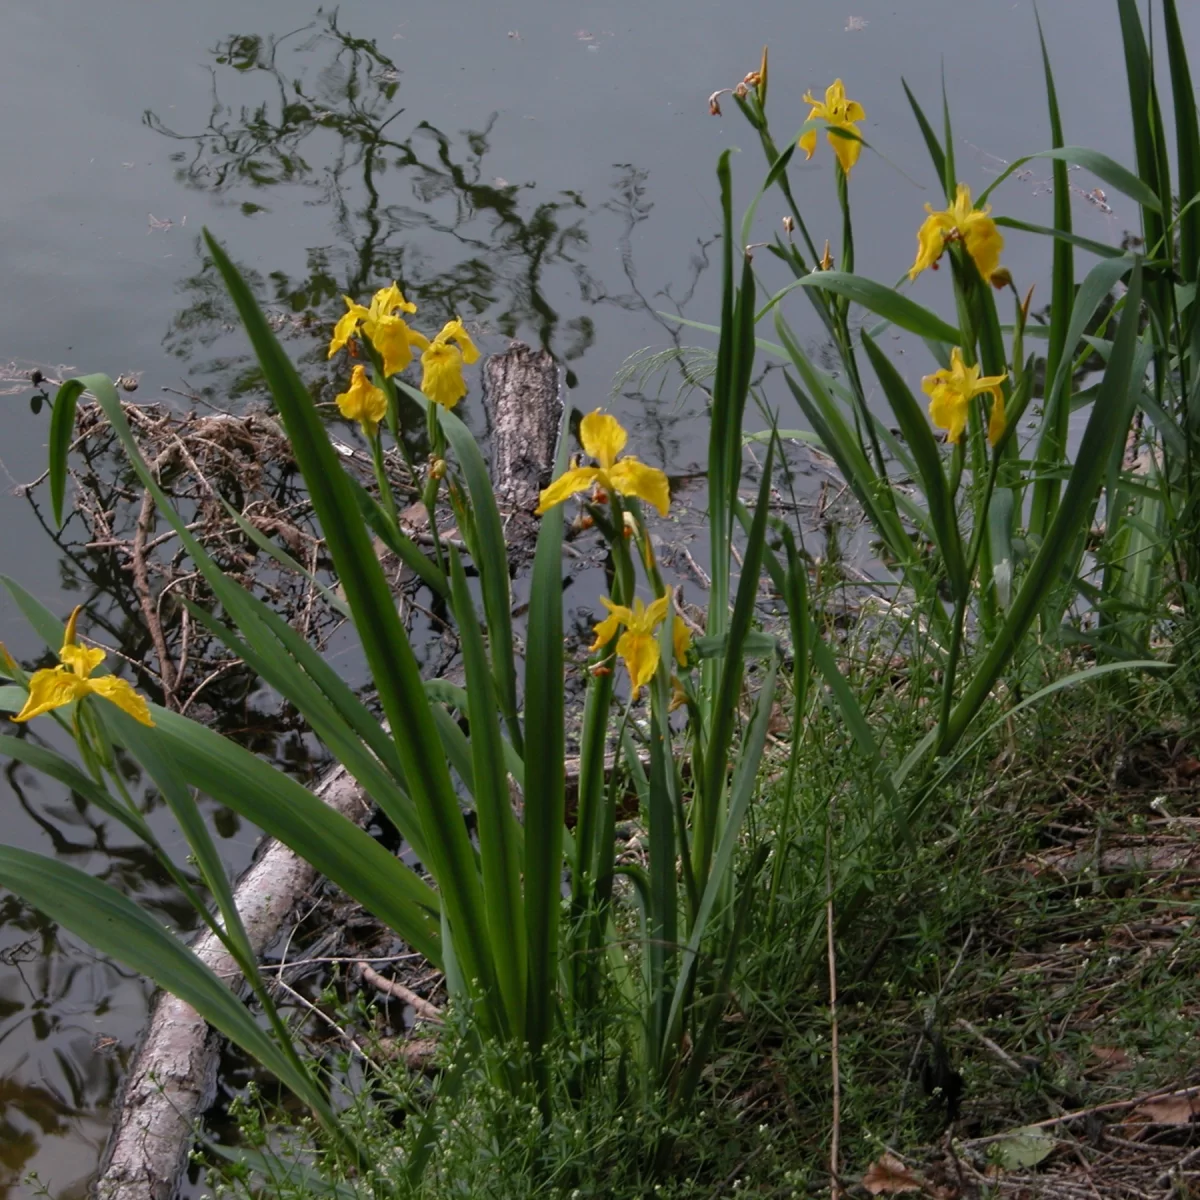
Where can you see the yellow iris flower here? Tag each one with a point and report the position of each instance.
(840, 113)
(681, 636)
(347, 327)
(442, 361)
(952, 391)
(637, 646)
(964, 223)
(363, 402)
(603, 439)
(55, 687)
(389, 334)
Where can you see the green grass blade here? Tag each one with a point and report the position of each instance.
(147, 747)
(1115, 175)
(492, 565)
(708, 804)
(1052, 439)
(281, 556)
(875, 494)
(493, 806)
(885, 302)
(741, 791)
(280, 806)
(1187, 141)
(545, 785)
(915, 428)
(69, 775)
(936, 153)
(62, 433)
(1099, 249)
(718, 457)
(1147, 123)
(45, 624)
(119, 928)
(1052, 444)
(332, 711)
(1091, 462)
(398, 542)
(950, 177)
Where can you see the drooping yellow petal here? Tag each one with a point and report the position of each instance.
(997, 422)
(603, 437)
(392, 337)
(606, 630)
(633, 478)
(947, 406)
(442, 380)
(984, 242)
(847, 149)
(855, 111)
(835, 95)
(640, 653)
(80, 660)
(808, 140)
(363, 402)
(681, 637)
(346, 328)
(456, 331)
(931, 240)
(51, 688)
(570, 483)
(120, 692)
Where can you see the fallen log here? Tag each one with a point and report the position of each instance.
(172, 1077)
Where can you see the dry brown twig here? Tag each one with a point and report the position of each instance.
(390, 987)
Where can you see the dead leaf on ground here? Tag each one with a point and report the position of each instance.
(1111, 1056)
(888, 1176)
(1179, 1109)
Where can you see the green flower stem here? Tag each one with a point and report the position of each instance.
(956, 638)
(385, 488)
(429, 493)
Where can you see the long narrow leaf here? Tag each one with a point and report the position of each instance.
(1091, 462)
(386, 646)
(119, 928)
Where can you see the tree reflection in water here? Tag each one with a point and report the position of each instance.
(462, 242)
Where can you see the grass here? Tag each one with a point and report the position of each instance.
(1033, 956)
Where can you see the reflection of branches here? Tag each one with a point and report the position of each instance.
(504, 248)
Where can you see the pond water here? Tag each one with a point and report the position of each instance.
(545, 168)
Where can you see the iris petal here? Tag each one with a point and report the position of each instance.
(603, 437)
(568, 484)
(640, 653)
(120, 692)
(51, 688)
(633, 478)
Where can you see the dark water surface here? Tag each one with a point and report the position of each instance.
(544, 168)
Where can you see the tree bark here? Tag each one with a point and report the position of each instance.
(173, 1075)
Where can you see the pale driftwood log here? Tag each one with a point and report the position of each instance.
(173, 1075)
